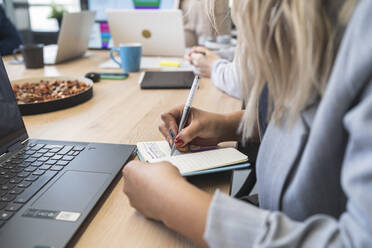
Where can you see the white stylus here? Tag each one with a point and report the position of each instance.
(187, 108)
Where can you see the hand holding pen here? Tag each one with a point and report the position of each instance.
(187, 108)
(200, 128)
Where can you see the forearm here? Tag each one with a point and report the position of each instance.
(186, 211)
(224, 77)
(228, 126)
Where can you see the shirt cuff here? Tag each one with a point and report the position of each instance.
(233, 223)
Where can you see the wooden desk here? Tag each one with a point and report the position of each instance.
(120, 112)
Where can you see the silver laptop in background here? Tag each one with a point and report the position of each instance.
(160, 32)
(73, 38)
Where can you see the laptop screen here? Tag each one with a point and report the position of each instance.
(12, 127)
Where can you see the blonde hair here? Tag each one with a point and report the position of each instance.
(291, 46)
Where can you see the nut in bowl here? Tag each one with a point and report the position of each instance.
(47, 94)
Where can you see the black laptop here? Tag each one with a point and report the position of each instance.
(48, 188)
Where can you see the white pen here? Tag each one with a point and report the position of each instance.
(186, 109)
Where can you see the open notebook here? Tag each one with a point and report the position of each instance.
(193, 163)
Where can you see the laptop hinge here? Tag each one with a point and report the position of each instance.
(15, 146)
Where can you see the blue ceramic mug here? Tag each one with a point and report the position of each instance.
(130, 56)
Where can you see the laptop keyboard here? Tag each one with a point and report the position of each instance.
(27, 171)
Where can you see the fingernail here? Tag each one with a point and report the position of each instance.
(172, 133)
(178, 141)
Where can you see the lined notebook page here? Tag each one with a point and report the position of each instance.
(155, 150)
(205, 160)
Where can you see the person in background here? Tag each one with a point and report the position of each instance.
(10, 38)
(222, 72)
(198, 26)
(314, 169)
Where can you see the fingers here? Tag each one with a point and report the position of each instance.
(165, 131)
(200, 49)
(188, 134)
(196, 50)
(172, 117)
(188, 56)
(197, 58)
(170, 122)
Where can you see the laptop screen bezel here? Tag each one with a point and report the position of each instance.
(19, 135)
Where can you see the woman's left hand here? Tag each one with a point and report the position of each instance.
(146, 185)
(203, 59)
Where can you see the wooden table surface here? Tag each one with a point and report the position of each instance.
(120, 112)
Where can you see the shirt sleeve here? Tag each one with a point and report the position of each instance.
(224, 77)
(232, 223)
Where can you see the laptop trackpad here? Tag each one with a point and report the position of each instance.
(72, 191)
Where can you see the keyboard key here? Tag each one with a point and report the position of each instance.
(24, 184)
(62, 163)
(29, 145)
(53, 147)
(16, 169)
(51, 162)
(9, 166)
(78, 148)
(24, 164)
(4, 215)
(7, 198)
(30, 169)
(55, 150)
(37, 164)
(9, 175)
(56, 157)
(65, 150)
(16, 161)
(30, 160)
(31, 178)
(67, 158)
(13, 207)
(7, 187)
(23, 174)
(34, 188)
(45, 167)
(71, 153)
(36, 155)
(37, 147)
(38, 172)
(30, 152)
(76, 153)
(23, 157)
(3, 205)
(16, 191)
(56, 168)
(3, 192)
(43, 159)
(49, 154)
(43, 151)
(16, 180)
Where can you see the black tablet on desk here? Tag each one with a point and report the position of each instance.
(166, 80)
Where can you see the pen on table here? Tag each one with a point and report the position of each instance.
(186, 109)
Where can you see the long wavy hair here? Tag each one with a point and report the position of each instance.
(291, 46)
